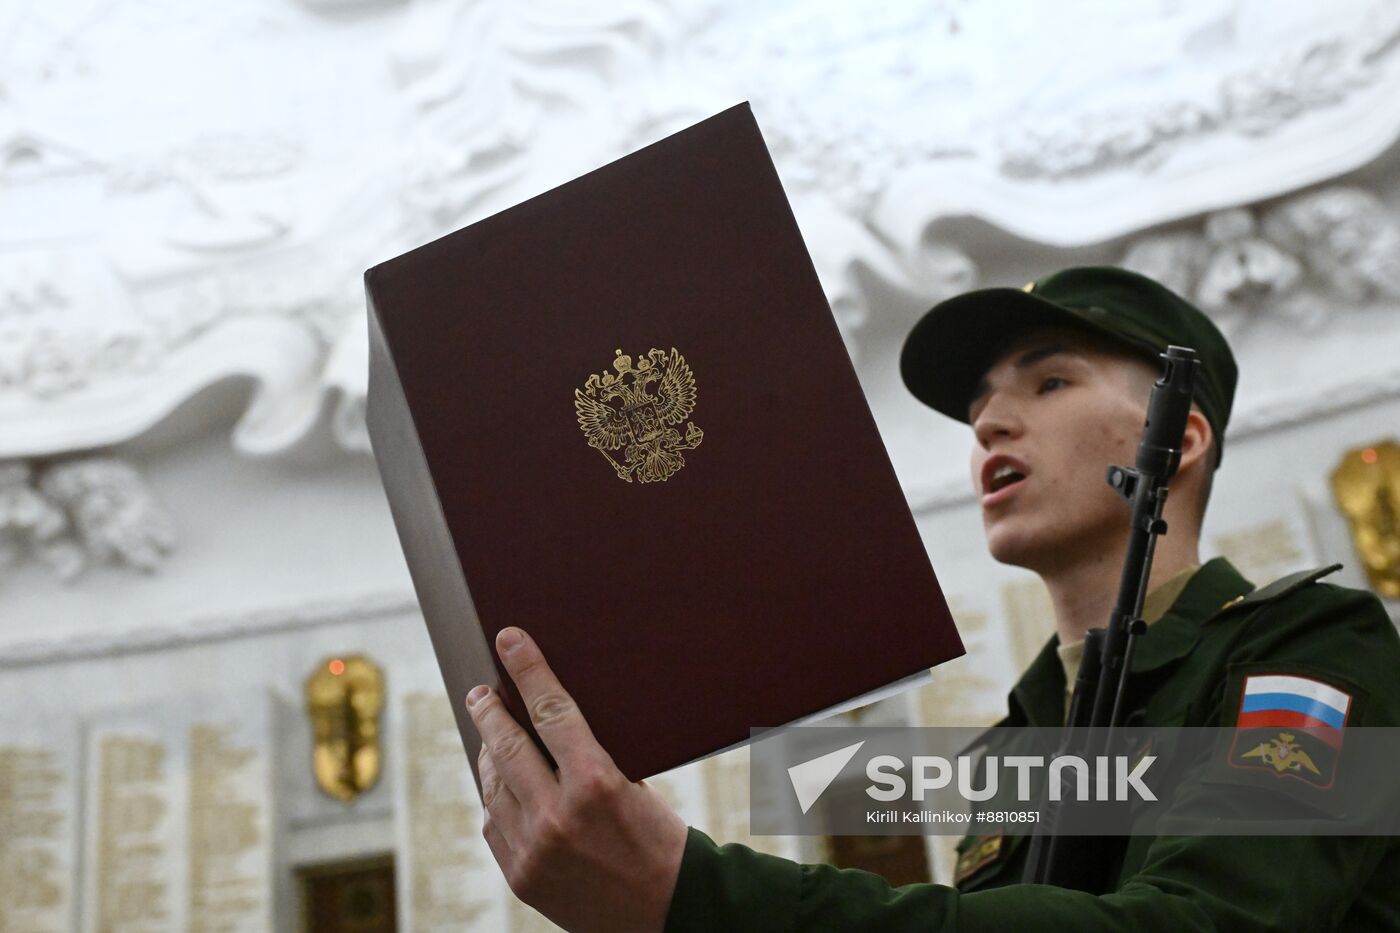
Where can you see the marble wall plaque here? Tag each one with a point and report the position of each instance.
(446, 877)
(38, 825)
(178, 832)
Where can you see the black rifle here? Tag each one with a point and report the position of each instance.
(1096, 705)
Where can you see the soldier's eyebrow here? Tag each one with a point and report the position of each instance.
(1024, 361)
(1031, 357)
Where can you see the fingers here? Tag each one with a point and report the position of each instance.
(516, 760)
(556, 717)
(500, 847)
(502, 807)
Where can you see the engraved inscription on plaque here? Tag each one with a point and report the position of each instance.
(448, 879)
(133, 813)
(37, 806)
(177, 826)
(225, 888)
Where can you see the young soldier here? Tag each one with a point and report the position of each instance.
(1053, 380)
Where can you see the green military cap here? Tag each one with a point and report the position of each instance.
(952, 347)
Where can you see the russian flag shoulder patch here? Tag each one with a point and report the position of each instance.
(1288, 700)
(1291, 726)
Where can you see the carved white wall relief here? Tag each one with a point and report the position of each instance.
(1256, 99)
(1349, 238)
(114, 516)
(90, 511)
(1304, 259)
(191, 196)
(481, 123)
(31, 524)
(1229, 269)
(1245, 272)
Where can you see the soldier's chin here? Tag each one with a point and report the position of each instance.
(1014, 547)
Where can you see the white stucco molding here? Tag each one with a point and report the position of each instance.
(1203, 171)
(218, 231)
(78, 512)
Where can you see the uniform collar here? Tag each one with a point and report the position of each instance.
(1164, 595)
(1206, 593)
(1038, 697)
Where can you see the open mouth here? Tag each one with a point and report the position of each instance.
(1004, 476)
(1000, 473)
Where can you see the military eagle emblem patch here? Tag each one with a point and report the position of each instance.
(1283, 754)
(637, 409)
(1290, 726)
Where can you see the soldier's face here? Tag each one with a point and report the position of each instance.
(1053, 412)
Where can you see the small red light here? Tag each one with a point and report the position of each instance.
(336, 667)
(1368, 455)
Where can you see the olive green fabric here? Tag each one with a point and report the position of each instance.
(950, 349)
(1188, 669)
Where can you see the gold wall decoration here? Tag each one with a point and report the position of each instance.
(344, 697)
(620, 411)
(1367, 487)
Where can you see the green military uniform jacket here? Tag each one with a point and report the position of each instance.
(1187, 671)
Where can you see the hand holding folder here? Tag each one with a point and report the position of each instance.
(582, 845)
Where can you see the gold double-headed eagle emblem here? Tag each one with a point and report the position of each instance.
(622, 411)
(1283, 755)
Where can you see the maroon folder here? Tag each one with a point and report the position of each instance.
(620, 416)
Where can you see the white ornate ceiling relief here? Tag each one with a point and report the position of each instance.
(1331, 251)
(189, 194)
(1319, 274)
(79, 512)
